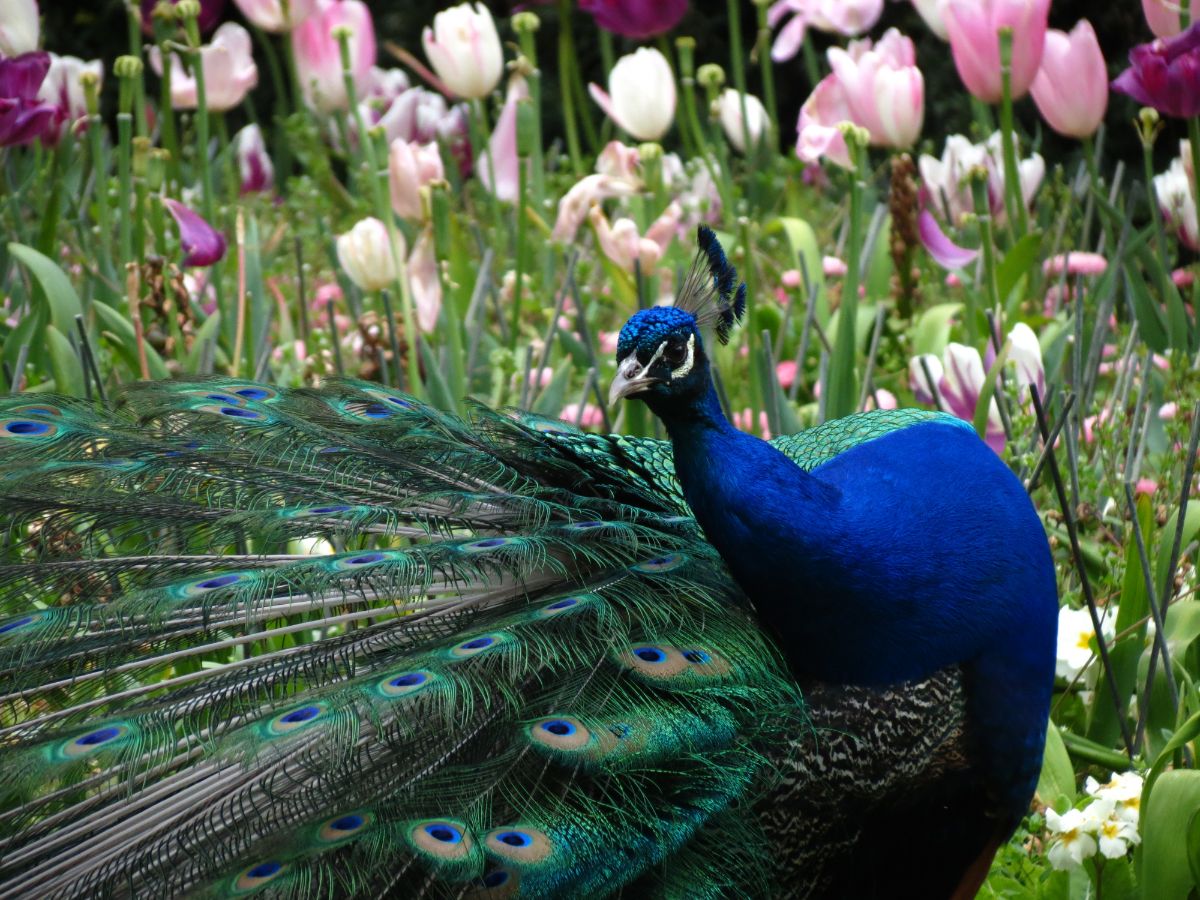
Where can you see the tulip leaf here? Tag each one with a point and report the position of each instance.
(1169, 841)
(1191, 525)
(1176, 315)
(209, 331)
(64, 302)
(120, 334)
(807, 253)
(1017, 263)
(64, 363)
(932, 330)
(1149, 318)
(1058, 775)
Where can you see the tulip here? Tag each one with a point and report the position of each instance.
(973, 28)
(1165, 74)
(202, 244)
(1162, 16)
(623, 245)
(425, 282)
(587, 415)
(583, 195)
(24, 117)
(946, 184)
(641, 94)
(944, 251)
(210, 14)
(818, 134)
(464, 49)
(499, 159)
(19, 29)
(254, 165)
(319, 58)
(637, 19)
(961, 386)
(229, 71)
(269, 14)
(1075, 263)
(729, 109)
(411, 167)
(845, 17)
(934, 14)
(1071, 87)
(365, 254)
(1177, 198)
(64, 89)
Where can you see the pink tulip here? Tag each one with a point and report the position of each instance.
(269, 14)
(973, 27)
(617, 175)
(254, 165)
(587, 416)
(1071, 87)
(786, 373)
(319, 59)
(934, 14)
(818, 134)
(425, 282)
(833, 267)
(500, 158)
(1168, 411)
(202, 244)
(1076, 262)
(845, 17)
(411, 167)
(884, 89)
(1146, 486)
(622, 244)
(945, 180)
(1163, 17)
(229, 71)
(64, 89)
(944, 251)
(19, 27)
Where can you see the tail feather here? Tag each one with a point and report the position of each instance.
(516, 662)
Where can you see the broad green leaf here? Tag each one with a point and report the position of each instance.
(1191, 525)
(932, 330)
(1176, 315)
(803, 242)
(1169, 807)
(1183, 626)
(209, 331)
(1188, 731)
(119, 331)
(64, 302)
(1058, 775)
(64, 363)
(1151, 327)
(1017, 263)
(877, 280)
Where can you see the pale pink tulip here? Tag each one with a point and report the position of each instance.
(319, 58)
(641, 94)
(587, 416)
(833, 267)
(229, 71)
(500, 158)
(1077, 262)
(934, 14)
(269, 14)
(617, 175)
(973, 28)
(425, 282)
(1168, 411)
(818, 134)
(622, 243)
(411, 167)
(883, 87)
(254, 165)
(19, 27)
(621, 161)
(464, 49)
(845, 17)
(945, 180)
(881, 398)
(1177, 198)
(1163, 17)
(1071, 87)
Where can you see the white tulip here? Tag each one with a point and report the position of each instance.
(365, 253)
(641, 94)
(465, 50)
(729, 108)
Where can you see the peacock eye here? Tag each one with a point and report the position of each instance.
(675, 354)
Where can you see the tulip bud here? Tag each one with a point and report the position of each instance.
(127, 67)
(1071, 88)
(365, 253)
(202, 244)
(319, 61)
(973, 27)
(465, 50)
(526, 22)
(755, 125)
(641, 94)
(710, 76)
(412, 166)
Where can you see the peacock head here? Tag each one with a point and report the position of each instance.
(660, 351)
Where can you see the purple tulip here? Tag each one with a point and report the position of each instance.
(23, 117)
(1165, 74)
(202, 244)
(210, 14)
(637, 19)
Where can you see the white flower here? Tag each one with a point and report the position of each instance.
(1173, 189)
(946, 178)
(465, 50)
(1075, 634)
(1072, 843)
(1124, 791)
(1116, 835)
(365, 252)
(729, 109)
(641, 94)
(19, 27)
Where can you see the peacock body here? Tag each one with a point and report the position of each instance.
(334, 642)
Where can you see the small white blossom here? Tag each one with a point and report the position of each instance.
(1072, 842)
(1075, 634)
(1116, 834)
(1124, 791)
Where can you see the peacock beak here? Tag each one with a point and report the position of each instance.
(631, 378)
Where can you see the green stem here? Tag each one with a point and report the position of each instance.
(1193, 128)
(134, 24)
(202, 130)
(812, 65)
(987, 240)
(99, 176)
(767, 70)
(1014, 202)
(529, 127)
(737, 64)
(1082, 748)
(125, 171)
(366, 146)
(843, 376)
(566, 63)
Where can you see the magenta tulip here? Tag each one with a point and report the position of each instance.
(202, 244)
(973, 27)
(319, 58)
(637, 19)
(1071, 88)
(1165, 74)
(24, 117)
(254, 165)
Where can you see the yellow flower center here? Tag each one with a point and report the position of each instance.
(1084, 639)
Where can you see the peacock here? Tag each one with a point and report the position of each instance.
(332, 641)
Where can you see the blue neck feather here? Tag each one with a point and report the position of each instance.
(906, 554)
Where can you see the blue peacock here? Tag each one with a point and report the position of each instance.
(334, 642)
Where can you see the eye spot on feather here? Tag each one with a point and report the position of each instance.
(220, 581)
(255, 876)
(387, 397)
(566, 604)
(376, 411)
(54, 412)
(497, 884)
(344, 827)
(661, 564)
(475, 646)
(13, 625)
(365, 560)
(223, 398)
(707, 663)
(105, 737)
(519, 844)
(405, 683)
(256, 393)
(295, 719)
(560, 733)
(27, 429)
(354, 561)
(654, 661)
(486, 544)
(585, 526)
(442, 838)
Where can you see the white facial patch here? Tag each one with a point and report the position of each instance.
(687, 363)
